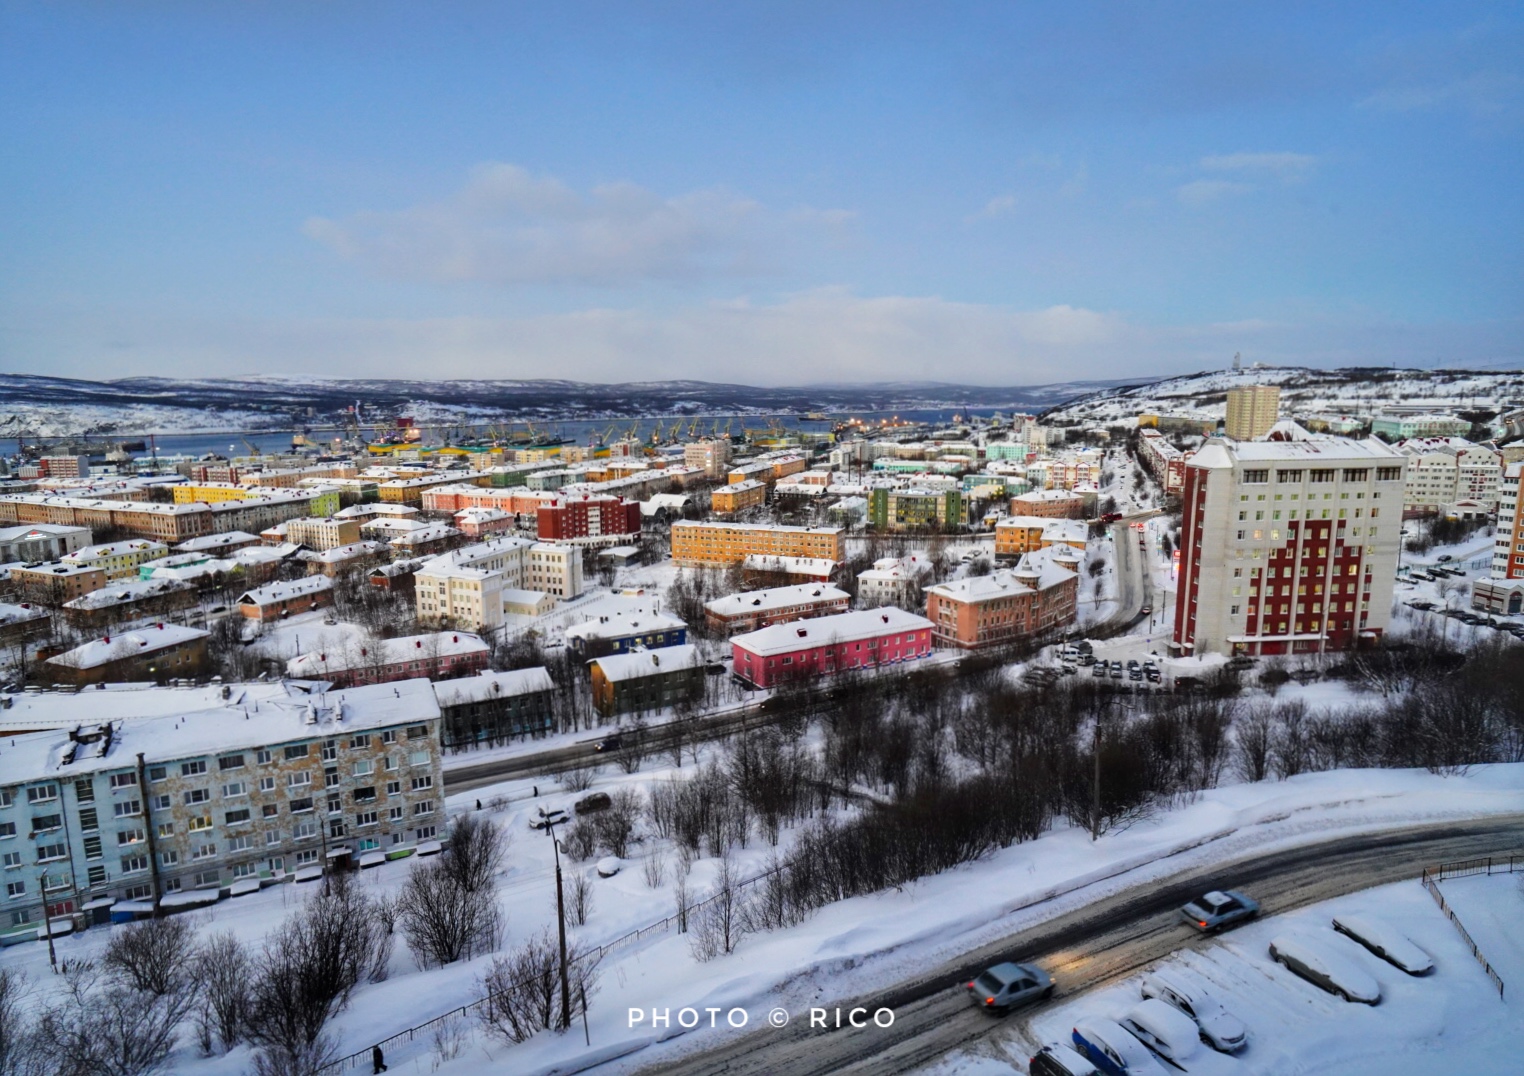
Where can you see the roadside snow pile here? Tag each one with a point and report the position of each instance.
(1451, 1020)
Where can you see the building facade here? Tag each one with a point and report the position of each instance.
(645, 681)
(738, 496)
(588, 520)
(1288, 546)
(437, 656)
(825, 646)
(717, 544)
(1039, 595)
(1508, 538)
(1252, 410)
(756, 609)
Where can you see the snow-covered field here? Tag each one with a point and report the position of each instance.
(844, 950)
(1451, 1021)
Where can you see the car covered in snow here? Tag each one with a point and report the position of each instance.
(1113, 1049)
(1056, 1059)
(1164, 1029)
(1003, 987)
(1219, 1028)
(1386, 941)
(1219, 909)
(1324, 966)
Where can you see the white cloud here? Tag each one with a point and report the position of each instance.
(1485, 95)
(1205, 191)
(998, 206)
(1286, 166)
(508, 226)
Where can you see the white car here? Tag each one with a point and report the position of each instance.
(1322, 965)
(1113, 1049)
(1220, 1028)
(1386, 941)
(1164, 1029)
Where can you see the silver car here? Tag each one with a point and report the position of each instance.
(1006, 986)
(1218, 909)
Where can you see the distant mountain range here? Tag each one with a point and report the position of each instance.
(53, 405)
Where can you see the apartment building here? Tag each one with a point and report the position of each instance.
(1162, 460)
(756, 609)
(1252, 410)
(43, 541)
(1443, 470)
(645, 681)
(465, 588)
(23, 623)
(410, 491)
(458, 595)
(828, 645)
(624, 627)
(1403, 427)
(1288, 546)
(738, 497)
(1038, 595)
(133, 599)
(119, 560)
(178, 808)
(55, 582)
(493, 707)
(325, 533)
(154, 654)
(711, 457)
(1049, 504)
(716, 544)
(274, 601)
(63, 467)
(588, 520)
(1508, 539)
(892, 581)
(915, 509)
(169, 523)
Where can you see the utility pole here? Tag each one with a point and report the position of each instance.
(561, 923)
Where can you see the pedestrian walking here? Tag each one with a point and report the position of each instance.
(478, 805)
(377, 1060)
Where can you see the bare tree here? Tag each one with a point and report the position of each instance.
(448, 908)
(578, 778)
(20, 1054)
(654, 868)
(579, 897)
(154, 955)
(224, 969)
(523, 988)
(298, 1059)
(101, 1026)
(718, 927)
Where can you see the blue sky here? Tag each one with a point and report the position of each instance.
(771, 192)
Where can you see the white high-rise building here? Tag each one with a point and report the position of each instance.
(1287, 547)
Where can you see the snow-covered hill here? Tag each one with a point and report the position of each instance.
(1355, 391)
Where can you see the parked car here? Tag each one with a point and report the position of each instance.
(1056, 1059)
(1098, 669)
(1003, 987)
(1325, 967)
(1219, 909)
(1444, 558)
(597, 801)
(1164, 1029)
(1113, 1049)
(1386, 941)
(545, 818)
(1219, 1028)
(1116, 670)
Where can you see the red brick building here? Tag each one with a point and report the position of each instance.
(588, 519)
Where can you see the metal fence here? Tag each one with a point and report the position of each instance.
(1465, 869)
(472, 1009)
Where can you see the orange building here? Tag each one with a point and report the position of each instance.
(738, 496)
(699, 544)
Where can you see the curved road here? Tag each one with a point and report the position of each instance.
(1090, 946)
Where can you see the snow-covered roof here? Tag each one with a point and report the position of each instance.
(341, 553)
(617, 624)
(377, 508)
(316, 664)
(827, 630)
(114, 549)
(297, 712)
(485, 686)
(130, 591)
(763, 601)
(213, 542)
(638, 663)
(1037, 570)
(768, 527)
(109, 648)
(271, 593)
(815, 566)
(392, 525)
(425, 534)
(1312, 450)
(18, 614)
(30, 711)
(1066, 530)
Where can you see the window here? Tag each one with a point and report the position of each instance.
(364, 767)
(193, 769)
(420, 783)
(394, 788)
(234, 789)
(203, 851)
(1388, 474)
(335, 804)
(264, 756)
(84, 792)
(304, 804)
(245, 870)
(196, 825)
(366, 818)
(133, 864)
(234, 818)
(365, 795)
(197, 795)
(296, 751)
(157, 773)
(267, 784)
(88, 820)
(330, 778)
(7, 829)
(127, 808)
(330, 751)
(277, 864)
(11, 859)
(172, 885)
(42, 793)
(359, 743)
(206, 879)
(421, 758)
(230, 762)
(169, 859)
(389, 736)
(306, 858)
(303, 830)
(1255, 477)
(396, 814)
(239, 844)
(162, 802)
(423, 807)
(15, 889)
(46, 853)
(271, 837)
(96, 876)
(43, 822)
(1321, 475)
(298, 779)
(427, 833)
(124, 780)
(7, 797)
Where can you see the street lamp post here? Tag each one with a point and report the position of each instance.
(561, 924)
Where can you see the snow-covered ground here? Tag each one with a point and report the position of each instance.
(843, 950)
(1451, 1021)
